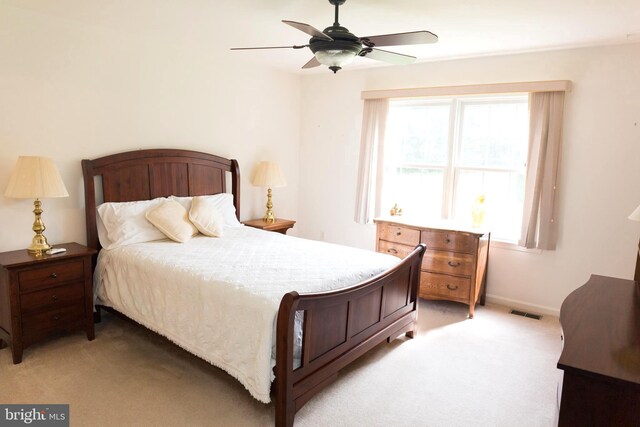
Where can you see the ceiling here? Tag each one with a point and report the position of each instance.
(464, 28)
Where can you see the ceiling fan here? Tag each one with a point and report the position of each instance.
(335, 47)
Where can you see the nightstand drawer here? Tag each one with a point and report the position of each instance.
(51, 274)
(38, 326)
(448, 241)
(448, 262)
(395, 249)
(444, 286)
(397, 234)
(51, 298)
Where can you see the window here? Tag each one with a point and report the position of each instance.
(441, 154)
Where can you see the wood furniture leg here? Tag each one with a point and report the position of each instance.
(97, 315)
(16, 352)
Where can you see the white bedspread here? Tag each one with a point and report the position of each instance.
(218, 297)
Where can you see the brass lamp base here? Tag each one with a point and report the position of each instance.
(39, 243)
(269, 217)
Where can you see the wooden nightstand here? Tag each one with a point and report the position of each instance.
(280, 225)
(43, 295)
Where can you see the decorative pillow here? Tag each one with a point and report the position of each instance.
(172, 219)
(125, 223)
(205, 216)
(223, 202)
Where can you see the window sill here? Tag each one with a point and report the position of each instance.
(512, 246)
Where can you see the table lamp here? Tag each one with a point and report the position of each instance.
(35, 178)
(635, 216)
(269, 175)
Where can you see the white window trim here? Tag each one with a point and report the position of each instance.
(450, 176)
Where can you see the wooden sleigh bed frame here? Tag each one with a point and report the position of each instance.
(338, 327)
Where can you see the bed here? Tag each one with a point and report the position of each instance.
(314, 333)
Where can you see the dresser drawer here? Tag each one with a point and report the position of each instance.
(397, 234)
(444, 286)
(396, 249)
(448, 262)
(38, 326)
(51, 298)
(448, 240)
(51, 274)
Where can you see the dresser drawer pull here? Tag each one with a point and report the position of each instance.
(392, 251)
(398, 233)
(53, 275)
(452, 287)
(54, 298)
(453, 264)
(448, 240)
(56, 317)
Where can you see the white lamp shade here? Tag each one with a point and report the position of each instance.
(635, 215)
(34, 178)
(269, 174)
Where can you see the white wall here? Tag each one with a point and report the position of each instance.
(84, 78)
(600, 166)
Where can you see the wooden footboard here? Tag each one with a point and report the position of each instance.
(338, 328)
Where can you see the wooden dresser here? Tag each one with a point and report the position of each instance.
(601, 354)
(455, 263)
(43, 295)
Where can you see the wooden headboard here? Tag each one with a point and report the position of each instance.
(147, 174)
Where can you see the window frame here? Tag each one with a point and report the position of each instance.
(452, 169)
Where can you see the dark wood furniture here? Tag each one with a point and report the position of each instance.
(45, 294)
(338, 326)
(601, 354)
(636, 277)
(279, 225)
(454, 267)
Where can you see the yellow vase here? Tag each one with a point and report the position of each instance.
(477, 213)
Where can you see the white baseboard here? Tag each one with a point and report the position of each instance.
(523, 306)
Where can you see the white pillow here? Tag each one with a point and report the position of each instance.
(172, 219)
(102, 232)
(125, 223)
(223, 202)
(206, 217)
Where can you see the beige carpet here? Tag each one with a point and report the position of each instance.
(495, 370)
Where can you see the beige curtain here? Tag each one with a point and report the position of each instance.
(539, 222)
(374, 122)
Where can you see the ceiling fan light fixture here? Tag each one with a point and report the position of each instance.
(336, 47)
(335, 57)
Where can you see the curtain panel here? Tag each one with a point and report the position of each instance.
(370, 166)
(539, 221)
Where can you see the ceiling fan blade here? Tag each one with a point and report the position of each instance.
(386, 56)
(271, 47)
(306, 28)
(400, 39)
(313, 62)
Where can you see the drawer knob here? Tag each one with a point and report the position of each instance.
(392, 251)
(53, 275)
(452, 287)
(448, 240)
(56, 317)
(398, 233)
(453, 264)
(54, 298)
